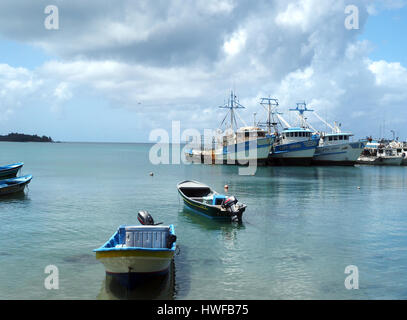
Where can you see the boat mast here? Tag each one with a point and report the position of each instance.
(271, 105)
(301, 109)
(233, 104)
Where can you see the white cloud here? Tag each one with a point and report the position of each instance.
(389, 74)
(236, 43)
(178, 60)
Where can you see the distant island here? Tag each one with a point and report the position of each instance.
(20, 137)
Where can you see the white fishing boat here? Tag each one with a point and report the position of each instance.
(377, 153)
(294, 145)
(400, 148)
(235, 145)
(336, 148)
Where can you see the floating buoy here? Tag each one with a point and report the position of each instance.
(358, 187)
(151, 174)
(226, 187)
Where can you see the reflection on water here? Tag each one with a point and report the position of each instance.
(14, 197)
(158, 288)
(190, 216)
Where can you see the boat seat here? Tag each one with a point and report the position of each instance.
(146, 237)
(218, 199)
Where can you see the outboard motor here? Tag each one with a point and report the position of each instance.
(235, 208)
(146, 219)
(170, 240)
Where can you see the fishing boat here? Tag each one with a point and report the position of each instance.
(11, 170)
(136, 253)
(377, 153)
(14, 185)
(400, 149)
(336, 148)
(202, 199)
(293, 145)
(234, 145)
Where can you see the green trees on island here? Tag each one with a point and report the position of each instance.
(20, 137)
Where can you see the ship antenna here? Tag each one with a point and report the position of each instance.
(233, 104)
(301, 109)
(270, 104)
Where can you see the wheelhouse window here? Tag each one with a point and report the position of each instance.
(330, 138)
(340, 137)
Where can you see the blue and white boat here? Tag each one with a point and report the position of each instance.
(136, 253)
(293, 145)
(337, 149)
(234, 145)
(11, 170)
(14, 185)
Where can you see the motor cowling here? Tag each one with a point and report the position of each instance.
(235, 208)
(229, 202)
(145, 218)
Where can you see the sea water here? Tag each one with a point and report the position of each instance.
(302, 227)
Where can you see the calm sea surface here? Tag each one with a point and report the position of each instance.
(302, 227)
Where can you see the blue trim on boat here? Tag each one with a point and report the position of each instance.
(247, 145)
(295, 146)
(12, 166)
(206, 215)
(119, 238)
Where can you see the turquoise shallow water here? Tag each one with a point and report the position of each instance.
(302, 227)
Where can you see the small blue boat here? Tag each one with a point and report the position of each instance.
(135, 254)
(11, 170)
(14, 185)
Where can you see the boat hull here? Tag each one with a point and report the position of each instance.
(17, 185)
(136, 254)
(135, 267)
(345, 154)
(205, 210)
(299, 153)
(141, 262)
(242, 153)
(380, 161)
(10, 171)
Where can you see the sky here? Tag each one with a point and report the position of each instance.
(115, 71)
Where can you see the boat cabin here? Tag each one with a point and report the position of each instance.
(335, 138)
(292, 135)
(243, 134)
